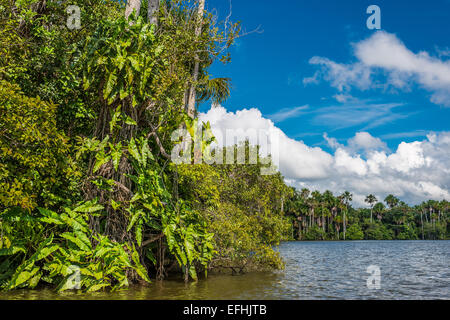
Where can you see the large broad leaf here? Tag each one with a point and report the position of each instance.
(69, 283)
(76, 223)
(83, 237)
(189, 244)
(119, 61)
(110, 83)
(40, 252)
(130, 75)
(88, 207)
(134, 62)
(146, 154)
(190, 249)
(116, 154)
(193, 272)
(45, 252)
(12, 250)
(134, 218)
(77, 241)
(100, 161)
(50, 216)
(130, 121)
(133, 150)
(27, 269)
(35, 280)
(138, 266)
(139, 233)
(100, 252)
(123, 93)
(23, 276)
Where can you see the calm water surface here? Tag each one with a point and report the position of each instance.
(314, 270)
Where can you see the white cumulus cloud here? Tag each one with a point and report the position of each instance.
(415, 171)
(399, 66)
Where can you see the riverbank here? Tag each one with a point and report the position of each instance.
(314, 270)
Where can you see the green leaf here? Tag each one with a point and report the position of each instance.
(50, 216)
(134, 218)
(123, 93)
(12, 250)
(35, 280)
(77, 241)
(130, 76)
(115, 205)
(89, 207)
(116, 154)
(134, 63)
(139, 233)
(146, 153)
(74, 221)
(138, 266)
(109, 85)
(99, 162)
(45, 252)
(84, 238)
(134, 101)
(130, 121)
(193, 272)
(23, 277)
(133, 150)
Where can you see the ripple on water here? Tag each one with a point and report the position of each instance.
(314, 270)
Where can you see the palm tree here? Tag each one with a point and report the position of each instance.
(346, 198)
(316, 199)
(304, 193)
(338, 221)
(334, 211)
(379, 209)
(391, 201)
(422, 209)
(371, 200)
(328, 200)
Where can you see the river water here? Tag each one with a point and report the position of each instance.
(314, 270)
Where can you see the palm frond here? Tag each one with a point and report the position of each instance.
(217, 89)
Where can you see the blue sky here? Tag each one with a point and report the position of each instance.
(356, 109)
(268, 68)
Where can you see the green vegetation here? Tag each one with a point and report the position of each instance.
(322, 216)
(88, 192)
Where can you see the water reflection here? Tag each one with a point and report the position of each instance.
(314, 270)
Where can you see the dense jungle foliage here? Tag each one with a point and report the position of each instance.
(87, 188)
(89, 197)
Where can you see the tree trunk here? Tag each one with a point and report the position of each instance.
(300, 230)
(198, 30)
(132, 5)
(421, 221)
(345, 229)
(152, 12)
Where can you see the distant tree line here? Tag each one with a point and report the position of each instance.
(324, 216)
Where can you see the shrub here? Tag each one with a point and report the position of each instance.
(354, 232)
(35, 165)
